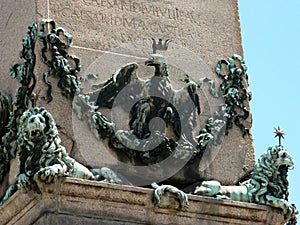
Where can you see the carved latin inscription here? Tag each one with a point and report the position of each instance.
(127, 17)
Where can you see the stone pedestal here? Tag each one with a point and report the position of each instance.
(106, 35)
(74, 201)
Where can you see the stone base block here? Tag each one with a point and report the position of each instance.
(75, 201)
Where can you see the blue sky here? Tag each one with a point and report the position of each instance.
(271, 37)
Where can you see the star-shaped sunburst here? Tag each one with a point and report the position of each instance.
(279, 133)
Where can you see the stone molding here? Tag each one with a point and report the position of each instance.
(76, 201)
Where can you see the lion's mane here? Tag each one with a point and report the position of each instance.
(270, 174)
(42, 149)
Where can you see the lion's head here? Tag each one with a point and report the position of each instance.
(270, 174)
(282, 158)
(36, 124)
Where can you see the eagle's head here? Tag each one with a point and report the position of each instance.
(155, 59)
(160, 64)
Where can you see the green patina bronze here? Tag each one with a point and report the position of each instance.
(12, 111)
(43, 158)
(211, 134)
(56, 42)
(268, 184)
(147, 99)
(160, 190)
(234, 90)
(24, 73)
(31, 133)
(5, 112)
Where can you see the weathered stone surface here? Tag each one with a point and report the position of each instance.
(75, 201)
(14, 17)
(208, 30)
(108, 34)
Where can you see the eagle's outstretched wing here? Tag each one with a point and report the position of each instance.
(111, 88)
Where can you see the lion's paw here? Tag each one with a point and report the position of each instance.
(48, 174)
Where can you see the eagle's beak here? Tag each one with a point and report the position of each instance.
(149, 62)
